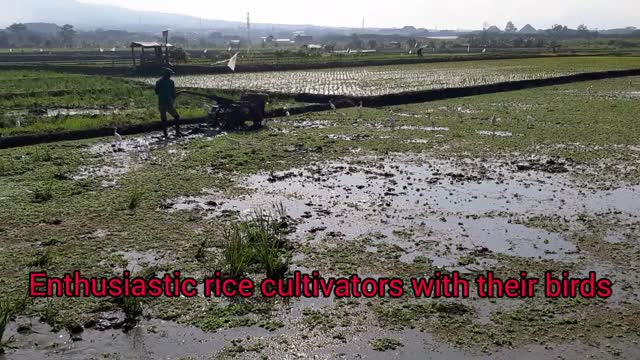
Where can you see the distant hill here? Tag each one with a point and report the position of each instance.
(92, 16)
(43, 28)
(624, 31)
(406, 31)
(528, 29)
(494, 29)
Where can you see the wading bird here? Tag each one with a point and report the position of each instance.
(118, 139)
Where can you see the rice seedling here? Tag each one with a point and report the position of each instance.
(130, 305)
(50, 314)
(269, 256)
(7, 309)
(237, 253)
(381, 80)
(135, 199)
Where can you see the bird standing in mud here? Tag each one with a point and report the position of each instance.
(333, 106)
(18, 123)
(494, 120)
(117, 145)
(392, 120)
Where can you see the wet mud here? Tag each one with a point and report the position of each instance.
(439, 209)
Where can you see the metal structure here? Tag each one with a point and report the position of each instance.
(247, 113)
(151, 53)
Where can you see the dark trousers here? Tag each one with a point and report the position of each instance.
(169, 108)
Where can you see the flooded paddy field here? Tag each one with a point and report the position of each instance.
(382, 80)
(391, 192)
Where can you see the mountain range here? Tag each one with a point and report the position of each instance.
(93, 16)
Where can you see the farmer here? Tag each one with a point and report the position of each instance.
(166, 91)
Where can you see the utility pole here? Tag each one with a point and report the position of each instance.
(248, 29)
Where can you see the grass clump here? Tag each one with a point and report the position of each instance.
(8, 308)
(135, 199)
(41, 260)
(384, 344)
(131, 306)
(257, 243)
(50, 314)
(43, 193)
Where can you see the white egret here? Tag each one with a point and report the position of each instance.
(117, 137)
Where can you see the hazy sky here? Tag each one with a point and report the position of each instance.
(442, 14)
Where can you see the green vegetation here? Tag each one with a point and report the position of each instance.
(7, 309)
(382, 80)
(257, 243)
(55, 219)
(384, 344)
(38, 101)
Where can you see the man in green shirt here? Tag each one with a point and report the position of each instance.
(166, 91)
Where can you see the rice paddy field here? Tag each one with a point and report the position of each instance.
(537, 180)
(382, 80)
(36, 101)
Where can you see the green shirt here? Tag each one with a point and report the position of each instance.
(166, 91)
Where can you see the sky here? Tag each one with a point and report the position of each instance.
(441, 14)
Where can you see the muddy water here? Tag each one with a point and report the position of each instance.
(118, 157)
(157, 339)
(150, 339)
(429, 208)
